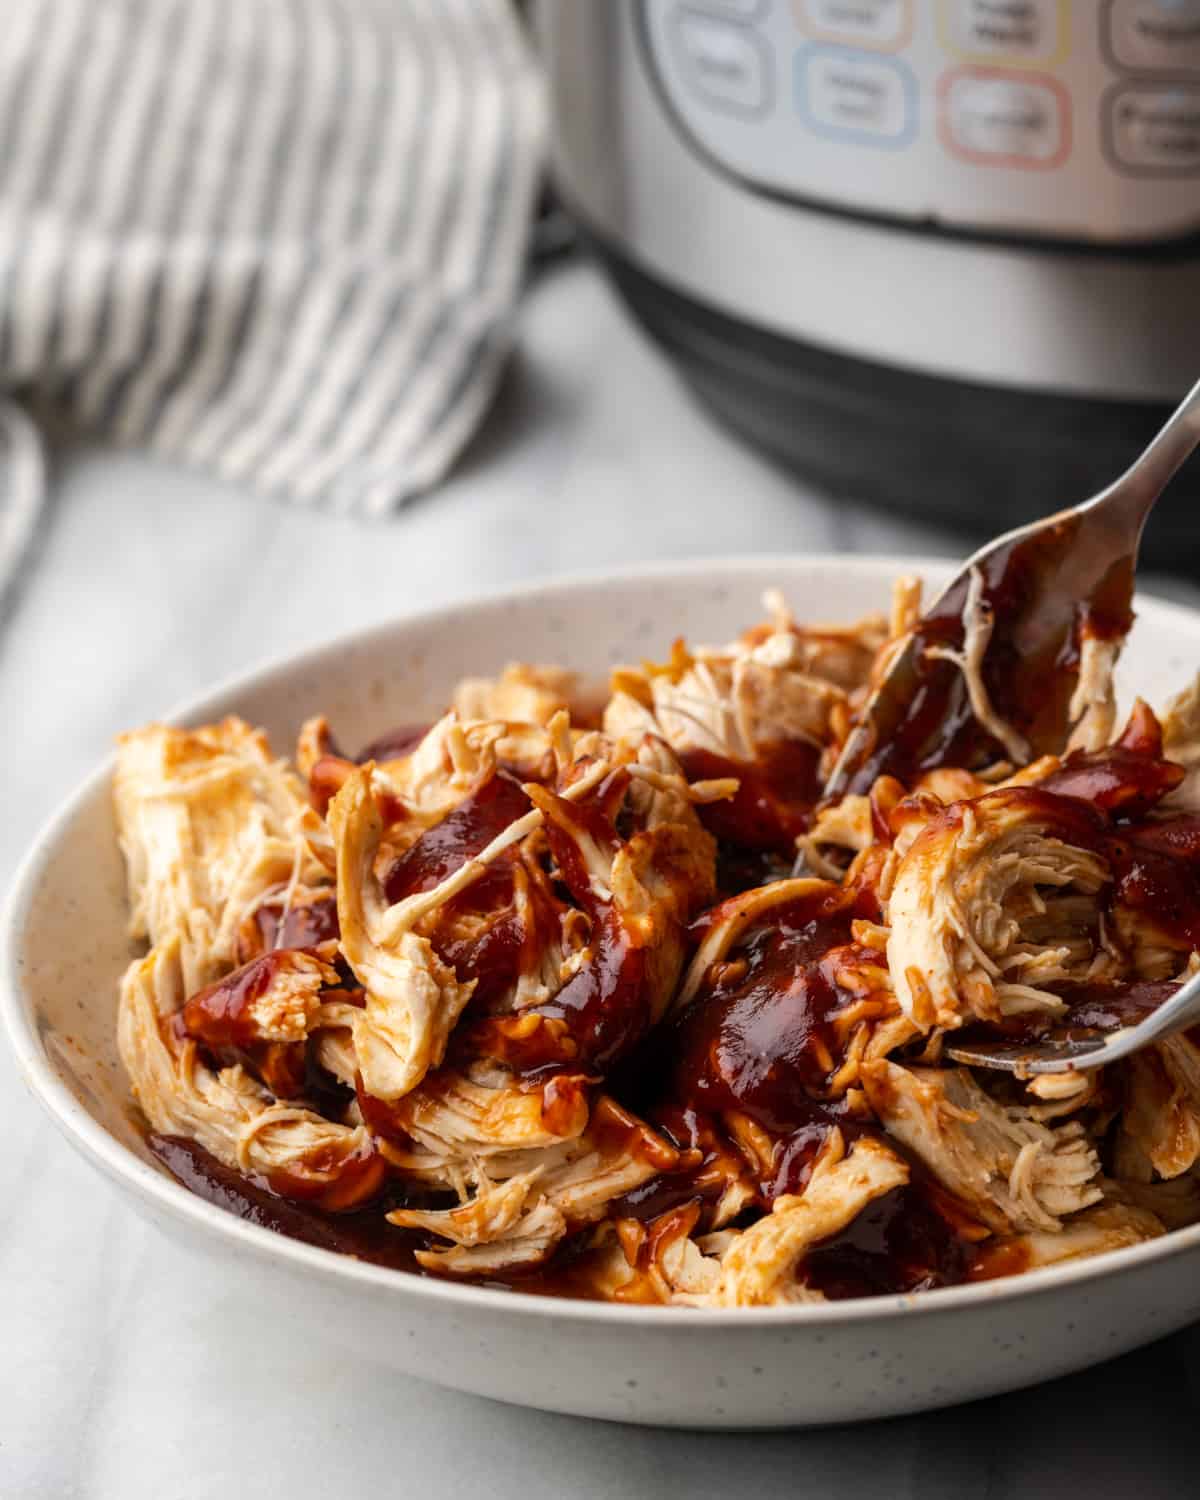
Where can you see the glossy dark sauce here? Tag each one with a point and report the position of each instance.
(762, 1042)
(302, 926)
(362, 1233)
(1159, 886)
(1125, 779)
(1034, 588)
(463, 833)
(774, 800)
(219, 1014)
(760, 1039)
(1110, 1010)
(898, 1243)
(491, 955)
(604, 1004)
(1092, 1009)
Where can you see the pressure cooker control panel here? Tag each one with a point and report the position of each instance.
(1076, 119)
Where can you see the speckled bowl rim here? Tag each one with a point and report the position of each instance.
(117, 1162)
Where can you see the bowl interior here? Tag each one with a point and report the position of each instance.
(66, 924)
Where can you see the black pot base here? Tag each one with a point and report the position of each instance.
(977, 457)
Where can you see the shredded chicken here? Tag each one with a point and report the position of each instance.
(1009, 1169)
(439, 978)
(1093, 707)
(1107, 1226)
(991, 909)
(207, 822)
(563, 1183)
(226, 1111)
(759, 1267)
(522, 694)
(1181, 743)
(1162, 1109)
(978, 625)
(413, 998)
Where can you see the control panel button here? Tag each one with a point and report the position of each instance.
(1005, 31)
(1154, 34)
(725, 63)
(849, 97)
(1154, 129)
(1005, 119)
(883, 24)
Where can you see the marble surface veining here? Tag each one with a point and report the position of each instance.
(122, 1378)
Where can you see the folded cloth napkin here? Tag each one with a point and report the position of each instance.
(281, 239)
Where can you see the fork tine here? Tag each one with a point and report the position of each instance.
(1025, 1058)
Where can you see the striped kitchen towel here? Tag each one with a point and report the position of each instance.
(281, 239)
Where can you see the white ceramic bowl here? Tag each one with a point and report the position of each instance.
(65, 945)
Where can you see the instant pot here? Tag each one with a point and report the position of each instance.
(940, 254)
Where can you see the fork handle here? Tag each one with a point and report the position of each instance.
(1176, 1014)
(1135, 492)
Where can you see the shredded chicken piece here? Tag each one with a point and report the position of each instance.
(1181, 743)
(759, 1267)
(1107, 1226)
(332, 1030)
(207, 822)
(773, 697)
(659, 1262)
(313, 744)
(522, 694)
(847, 824)
(778, 683)
(1162, 1104)
(1093, 706)
(444, 767)
(454, 1118)
(734, 917)
(564, 1184)
(1061, 1092)
(1013, 1172)
(282, 1006)
(991, 909)
(226, 1111)
(505, 1225)
(906, 606)
(978, 624)
(413, 998)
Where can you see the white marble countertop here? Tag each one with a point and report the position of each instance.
(118, 1380)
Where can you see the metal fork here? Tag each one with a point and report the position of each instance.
(1106, 531)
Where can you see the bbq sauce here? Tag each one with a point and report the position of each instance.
(776, 794)
(1124, 779)
(1046, 595)
(491, 954)
(219, 1014)
(362, 1233)
(604, 1004)
(760, 1039)
(1157, 875)
(462, 834)
(898, 1243)
(302, 926)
